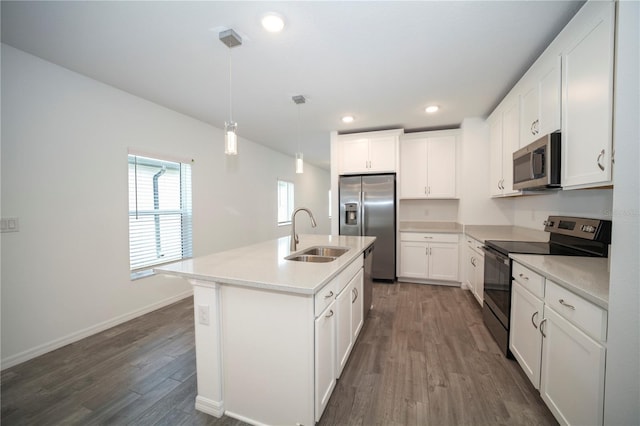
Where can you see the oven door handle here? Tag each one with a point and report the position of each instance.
(498, 256)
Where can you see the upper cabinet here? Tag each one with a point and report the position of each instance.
(569, 88)
(587, 113)
(371, 152)
(540, 102)
(428, 165)
(504, 135)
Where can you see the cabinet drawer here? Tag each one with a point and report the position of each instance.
(348, 273)
(324, 297)
(583, 314)
(428, 237)
(532, 281)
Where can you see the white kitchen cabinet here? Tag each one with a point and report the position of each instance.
(357, 305)
(428, 165)
(427, 256)
(540, 101)
(525, 340)
(474, 268)
(349, 319)
(572, 381)
(587, 98)
(558, 337)
(371, 152)
(344, 334)
(325, 358)
(504, 134)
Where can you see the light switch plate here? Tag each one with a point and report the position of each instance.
(9, 224)
(203, 314)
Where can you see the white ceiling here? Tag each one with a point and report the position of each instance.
(382, 61)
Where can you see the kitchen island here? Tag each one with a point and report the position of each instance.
(272, 334)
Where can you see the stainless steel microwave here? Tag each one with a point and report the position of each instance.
(537, 165)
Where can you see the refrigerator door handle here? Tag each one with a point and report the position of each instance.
(362, 209)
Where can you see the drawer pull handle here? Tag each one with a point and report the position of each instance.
(429, 238)
(329, 295)
(524, 276)
(535, 314)
(541, 330)
(565, 304)
(330, 314)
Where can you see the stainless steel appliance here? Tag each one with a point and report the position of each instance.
(368, 282)
(367, 207)
(537, 165)
(569, 236)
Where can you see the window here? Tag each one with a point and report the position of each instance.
(160, 216)
(285, 202)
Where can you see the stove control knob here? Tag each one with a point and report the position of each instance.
(548, 223)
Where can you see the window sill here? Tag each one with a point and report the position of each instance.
(141, 274)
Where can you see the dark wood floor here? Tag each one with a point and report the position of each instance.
(423, 358)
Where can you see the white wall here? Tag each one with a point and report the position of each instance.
(532, 210)
(622, 382)
(65, 274)
(428, 210)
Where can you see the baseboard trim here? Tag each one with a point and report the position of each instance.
(29, 354)
(209, 406)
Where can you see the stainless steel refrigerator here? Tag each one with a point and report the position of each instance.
(368, 208)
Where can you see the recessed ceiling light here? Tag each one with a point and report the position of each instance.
(348, 119)
(273, 22)
(432, 108)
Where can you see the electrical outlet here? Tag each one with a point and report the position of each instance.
(203, 314)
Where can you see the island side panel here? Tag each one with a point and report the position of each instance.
(206, 306)
(268, 352)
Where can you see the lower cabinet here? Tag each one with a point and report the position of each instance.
(337, 327)
(474, 268)
(325, 356)
(426, 256)
(557, 338)
(526, 341)
(572, 382)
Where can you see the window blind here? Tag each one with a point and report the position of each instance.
(160, 214)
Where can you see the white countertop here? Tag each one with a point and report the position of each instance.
(505, 233)
(263, 265)
(588, 277)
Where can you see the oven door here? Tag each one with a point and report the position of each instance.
(497, 284)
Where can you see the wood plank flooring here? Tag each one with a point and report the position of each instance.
(423, 358)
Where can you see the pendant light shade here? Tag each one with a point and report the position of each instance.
(299, 163)
(230, 39)
(230, 138)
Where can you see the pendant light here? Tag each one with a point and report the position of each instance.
(299, 100)
(231, 39)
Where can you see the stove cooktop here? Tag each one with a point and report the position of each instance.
(533, 247)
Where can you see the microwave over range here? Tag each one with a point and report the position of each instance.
(537, 165)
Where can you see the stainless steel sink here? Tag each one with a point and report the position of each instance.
(311, 258)
(325, 251)
(318, 254)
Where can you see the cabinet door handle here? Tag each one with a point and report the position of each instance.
(329, 295)
(535, 314)
(355, 295)
(428, 190)
(425, 190)
(533, 131)
(540, 326)
(565, 304)
(330, 314)
(598, 160)
(524, 277)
